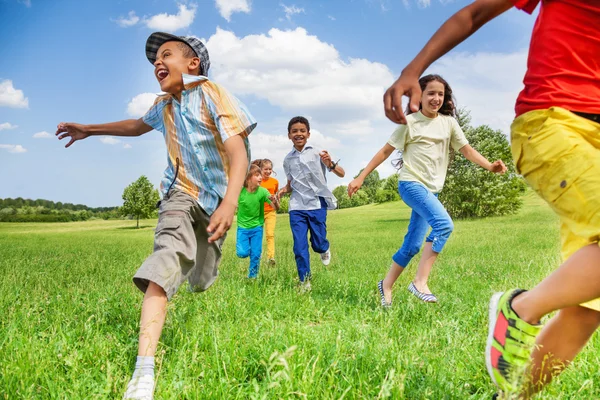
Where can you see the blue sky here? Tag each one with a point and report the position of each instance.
(328, 60)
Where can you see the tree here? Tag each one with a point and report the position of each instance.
(139, 199)
(472, 192)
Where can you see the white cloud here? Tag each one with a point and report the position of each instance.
(13, 148)
(7, 126)
(27, 3)
(126, 146)
(42, 135)
(171, 23)
(128, 21)
(228, 7)
(316, 81)
(331, 17)
(424, 3)
(140, 104)
(11, 97)
(486, 83)
(109, 140)
(291, 10)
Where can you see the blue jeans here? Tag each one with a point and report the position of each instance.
(426, 211)
(301, 221)
(249, 243)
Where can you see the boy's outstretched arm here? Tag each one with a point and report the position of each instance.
(475, 157)
(455, 30)
(129, 127)
(221, 220)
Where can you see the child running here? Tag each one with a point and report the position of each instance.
(205, 130)
(272, 185)
(251, 218)
(305, 168)
(425, 142)
(556, 147)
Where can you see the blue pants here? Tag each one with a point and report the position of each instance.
(249, 243)
(426, 211)
(301, 222)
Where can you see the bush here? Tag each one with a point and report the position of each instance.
(284, 205)
(385, 195)
(472, 192)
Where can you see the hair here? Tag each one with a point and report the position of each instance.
(448, 106)
(295, 120)
(188, 52)
(252, 171)
(262, 162)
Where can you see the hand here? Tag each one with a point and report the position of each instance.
(220, 221)
(498, 167)
(281, 193)
(274, 199)
(354, 186)
(326, 158)
(406, 85)
(74, 131)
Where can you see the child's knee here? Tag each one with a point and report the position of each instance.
(242, 253)
(585, 318)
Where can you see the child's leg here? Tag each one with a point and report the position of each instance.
(270, 222)
(558, 343)
(242, 243)
(154, 311)
(417, 228)
(317, 224)
(299, 225)
(256, 237)
(576, 281)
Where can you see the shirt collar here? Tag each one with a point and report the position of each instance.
(306, 146)
(188, 80)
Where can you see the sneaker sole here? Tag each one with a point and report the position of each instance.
(493, 308)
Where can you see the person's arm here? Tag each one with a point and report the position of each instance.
(288, 187)
(129, 127)
(326, 159)
(375, 162)
(454, 31)
(273, 201)
(221, 220)
(474, 156)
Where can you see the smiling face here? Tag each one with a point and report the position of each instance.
(173, 60)
(299, 134)
(432, 99)
(267, 170)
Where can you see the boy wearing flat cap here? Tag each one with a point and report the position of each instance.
(206, 132)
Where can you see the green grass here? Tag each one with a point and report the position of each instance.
(69, 314)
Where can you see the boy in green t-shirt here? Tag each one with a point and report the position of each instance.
(251, 218)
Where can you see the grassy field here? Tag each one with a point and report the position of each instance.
(69, 314)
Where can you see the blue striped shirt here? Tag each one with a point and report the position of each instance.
(195, 131)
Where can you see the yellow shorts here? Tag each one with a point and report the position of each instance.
(558, 154)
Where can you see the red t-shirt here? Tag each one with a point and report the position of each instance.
(563, 67)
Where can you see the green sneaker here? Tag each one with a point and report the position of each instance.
(509, 344)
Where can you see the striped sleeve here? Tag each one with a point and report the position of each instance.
(230, 115)
(154, 116)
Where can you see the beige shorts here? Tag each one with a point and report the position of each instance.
(181, 248)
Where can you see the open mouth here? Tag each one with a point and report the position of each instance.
(162, 74)
(298, 138)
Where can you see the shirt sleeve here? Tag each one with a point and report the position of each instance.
(154, 116)
(399, 137)
(457, 138)
(526, 5)
(286, 169)
(230, 115)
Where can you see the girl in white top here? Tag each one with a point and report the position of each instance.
(425, 143)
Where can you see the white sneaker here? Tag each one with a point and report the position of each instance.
(140, 388)
(305, 286)
(326, 257)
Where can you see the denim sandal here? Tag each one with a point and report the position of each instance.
(384, 303)
(426, 297)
